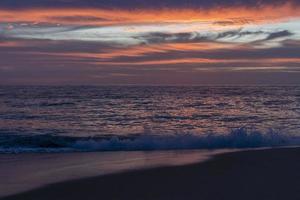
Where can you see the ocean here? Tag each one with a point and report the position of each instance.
(128, 118)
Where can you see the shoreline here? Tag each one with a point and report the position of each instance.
(250, 174)
(24, 172)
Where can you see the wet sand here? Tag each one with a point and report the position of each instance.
(28, 171)
(257, 174)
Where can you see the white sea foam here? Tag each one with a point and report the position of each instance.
(240, 138)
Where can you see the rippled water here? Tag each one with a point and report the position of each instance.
(135, 111)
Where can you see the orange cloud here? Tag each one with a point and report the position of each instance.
(136, 51)
(10, 44)
(97, 58)
(133, 51)
(222, 16)
(204, 61)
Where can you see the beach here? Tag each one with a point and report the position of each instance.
(250, 174)
(149, 100)
(27, 171)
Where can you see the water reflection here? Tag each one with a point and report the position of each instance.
(90, 111)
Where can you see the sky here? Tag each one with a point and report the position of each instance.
(153, 42)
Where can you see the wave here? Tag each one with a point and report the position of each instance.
(240, 138)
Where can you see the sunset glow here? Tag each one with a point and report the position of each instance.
(82, 37)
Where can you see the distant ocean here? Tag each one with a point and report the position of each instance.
(113, 118)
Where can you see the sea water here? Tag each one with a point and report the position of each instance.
(118, 118)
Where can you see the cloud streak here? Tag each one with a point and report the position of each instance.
(130, 4)
(136, 41)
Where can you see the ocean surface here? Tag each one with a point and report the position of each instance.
(117, 118)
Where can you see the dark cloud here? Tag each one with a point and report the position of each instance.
(159, 37)
(29, 61)
(52, 46)
(239, 33)
(279, 34)
(286, 51)
(136, 3)
(47, 52)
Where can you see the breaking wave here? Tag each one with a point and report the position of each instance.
(239, 138)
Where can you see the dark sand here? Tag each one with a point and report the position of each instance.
(254, 175)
